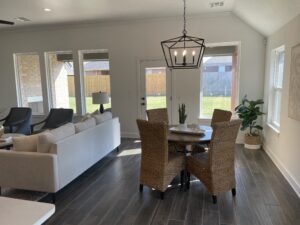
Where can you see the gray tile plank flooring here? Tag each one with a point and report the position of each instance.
(108, 194)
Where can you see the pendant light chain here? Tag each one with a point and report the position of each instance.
(184, 18)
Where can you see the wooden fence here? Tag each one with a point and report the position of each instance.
(93, 83)
(156, 84)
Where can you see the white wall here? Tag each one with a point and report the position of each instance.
(283, 148)
(129, 42)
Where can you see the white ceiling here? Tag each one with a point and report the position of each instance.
(264, 15)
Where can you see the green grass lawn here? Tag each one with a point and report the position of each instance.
(90, 106)
(211, 103)
(208, 106)
(156, 102)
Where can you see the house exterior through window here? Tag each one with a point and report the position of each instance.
(28, 80)
(218, 80)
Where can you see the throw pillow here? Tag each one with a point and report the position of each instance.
(96, 112)
(89, 115)
(63, 132)
(26, 143)
(86, 117)
(81, 126)
(100, 118)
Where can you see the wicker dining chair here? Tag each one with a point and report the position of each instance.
(158, 165)
(158, 115)
(219, 115)
(215, 168)
(161, 115)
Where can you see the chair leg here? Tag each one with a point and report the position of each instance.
(188, 180)
(141, 188)
(181, 179)
(162, 194)
(118, 150)
(214, 198)
(233, 191)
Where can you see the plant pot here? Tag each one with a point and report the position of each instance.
(182, 126)
(252, 142)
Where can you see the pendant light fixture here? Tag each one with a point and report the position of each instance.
(183, 52)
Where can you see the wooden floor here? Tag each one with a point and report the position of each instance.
(108, 194)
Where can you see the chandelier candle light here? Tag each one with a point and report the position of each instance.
(192, 49)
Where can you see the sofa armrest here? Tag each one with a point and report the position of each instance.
(29, 171)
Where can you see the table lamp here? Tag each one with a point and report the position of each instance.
(100, 98)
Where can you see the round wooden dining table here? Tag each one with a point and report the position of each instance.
(185, 141)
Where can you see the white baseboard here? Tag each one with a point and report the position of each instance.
(129, 135)
(285, 172)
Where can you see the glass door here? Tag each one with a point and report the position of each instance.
(155, 87)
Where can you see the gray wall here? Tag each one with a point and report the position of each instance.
(130, 42)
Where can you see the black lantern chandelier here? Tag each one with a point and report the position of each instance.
(184, 52)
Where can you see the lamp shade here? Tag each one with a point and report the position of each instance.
(100, 98)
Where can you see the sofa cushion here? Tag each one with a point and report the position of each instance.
(45, 142)
(89, 115)
(81, 126)
(100, 118)
(26, 143)
(47, 139)
(63, 132)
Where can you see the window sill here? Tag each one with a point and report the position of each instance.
(274, 128)
(204, 121)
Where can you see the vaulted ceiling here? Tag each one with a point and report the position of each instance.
(264, 15)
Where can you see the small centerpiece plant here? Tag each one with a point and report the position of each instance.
(182, 116)
(249, 111)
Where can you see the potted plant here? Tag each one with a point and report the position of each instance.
(248, 111)
(182, 116)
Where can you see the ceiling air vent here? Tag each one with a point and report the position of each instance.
(215, 4)
(23, 19)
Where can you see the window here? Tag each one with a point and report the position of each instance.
(156, 87)
(276, 82)
(28, 77)
(218, 81)
(61, 80)
(96, 77)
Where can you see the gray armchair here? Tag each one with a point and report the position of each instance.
(55, 119)
(18, 121)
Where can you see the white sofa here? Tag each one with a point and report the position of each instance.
(66, 159)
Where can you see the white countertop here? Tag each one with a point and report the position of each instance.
(22, 212)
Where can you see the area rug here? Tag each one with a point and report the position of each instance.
(22, 194)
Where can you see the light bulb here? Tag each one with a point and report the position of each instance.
(175, 53)
(184, 52)
(194, 53)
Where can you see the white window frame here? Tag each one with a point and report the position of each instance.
(203, 118)
(274, 111)
(18, 80)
